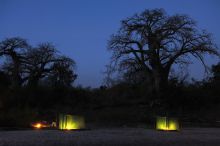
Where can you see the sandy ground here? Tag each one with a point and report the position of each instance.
(112, 137)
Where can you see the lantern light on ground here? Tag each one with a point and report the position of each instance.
(71, 122)
(168, 124)
(39, 125)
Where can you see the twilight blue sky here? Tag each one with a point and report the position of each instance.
(80, 28)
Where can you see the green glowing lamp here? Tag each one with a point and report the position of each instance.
(169, 124)
(71, 122)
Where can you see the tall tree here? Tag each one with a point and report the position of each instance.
(14, 49)
(39, 62)
(4, 81)
(62, 73)
(44, 62)
(216, 72)
(153, 41)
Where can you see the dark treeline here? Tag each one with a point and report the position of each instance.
(36, 83)
(125, 102)
(29, 75)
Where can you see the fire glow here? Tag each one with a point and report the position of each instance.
(39, 125)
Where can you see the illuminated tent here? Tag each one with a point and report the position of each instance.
(71, 122)
(165, 123)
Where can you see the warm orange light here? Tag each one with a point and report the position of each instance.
(37, 125)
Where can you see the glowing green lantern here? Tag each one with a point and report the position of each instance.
(165, 123)
(71, 122)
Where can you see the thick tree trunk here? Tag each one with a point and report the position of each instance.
(16, 81)
(160, 82)
(33, 82)
(16, 78)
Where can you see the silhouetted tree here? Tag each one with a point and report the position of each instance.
(14, 49)
(4, 81)
(39, 63)
(214, 82)
(216, 72)
(44, 62)
(27, 65)
(62, 73)
(153, 41)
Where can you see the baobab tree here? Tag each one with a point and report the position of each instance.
(154, 41)
(63, 72)
(39, 61)
(26, 65)
(14, 49)
(45, 62)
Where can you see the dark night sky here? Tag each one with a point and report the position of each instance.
(81, 28)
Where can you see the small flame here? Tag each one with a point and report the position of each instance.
(37, 125)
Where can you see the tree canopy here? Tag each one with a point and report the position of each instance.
(152, 41)
(27, 65)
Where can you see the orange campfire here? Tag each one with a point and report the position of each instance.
(39, 125)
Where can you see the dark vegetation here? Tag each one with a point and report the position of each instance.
(141, 81)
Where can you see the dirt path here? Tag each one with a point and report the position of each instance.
(112, 137)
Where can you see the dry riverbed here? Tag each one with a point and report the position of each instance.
(112, 137)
